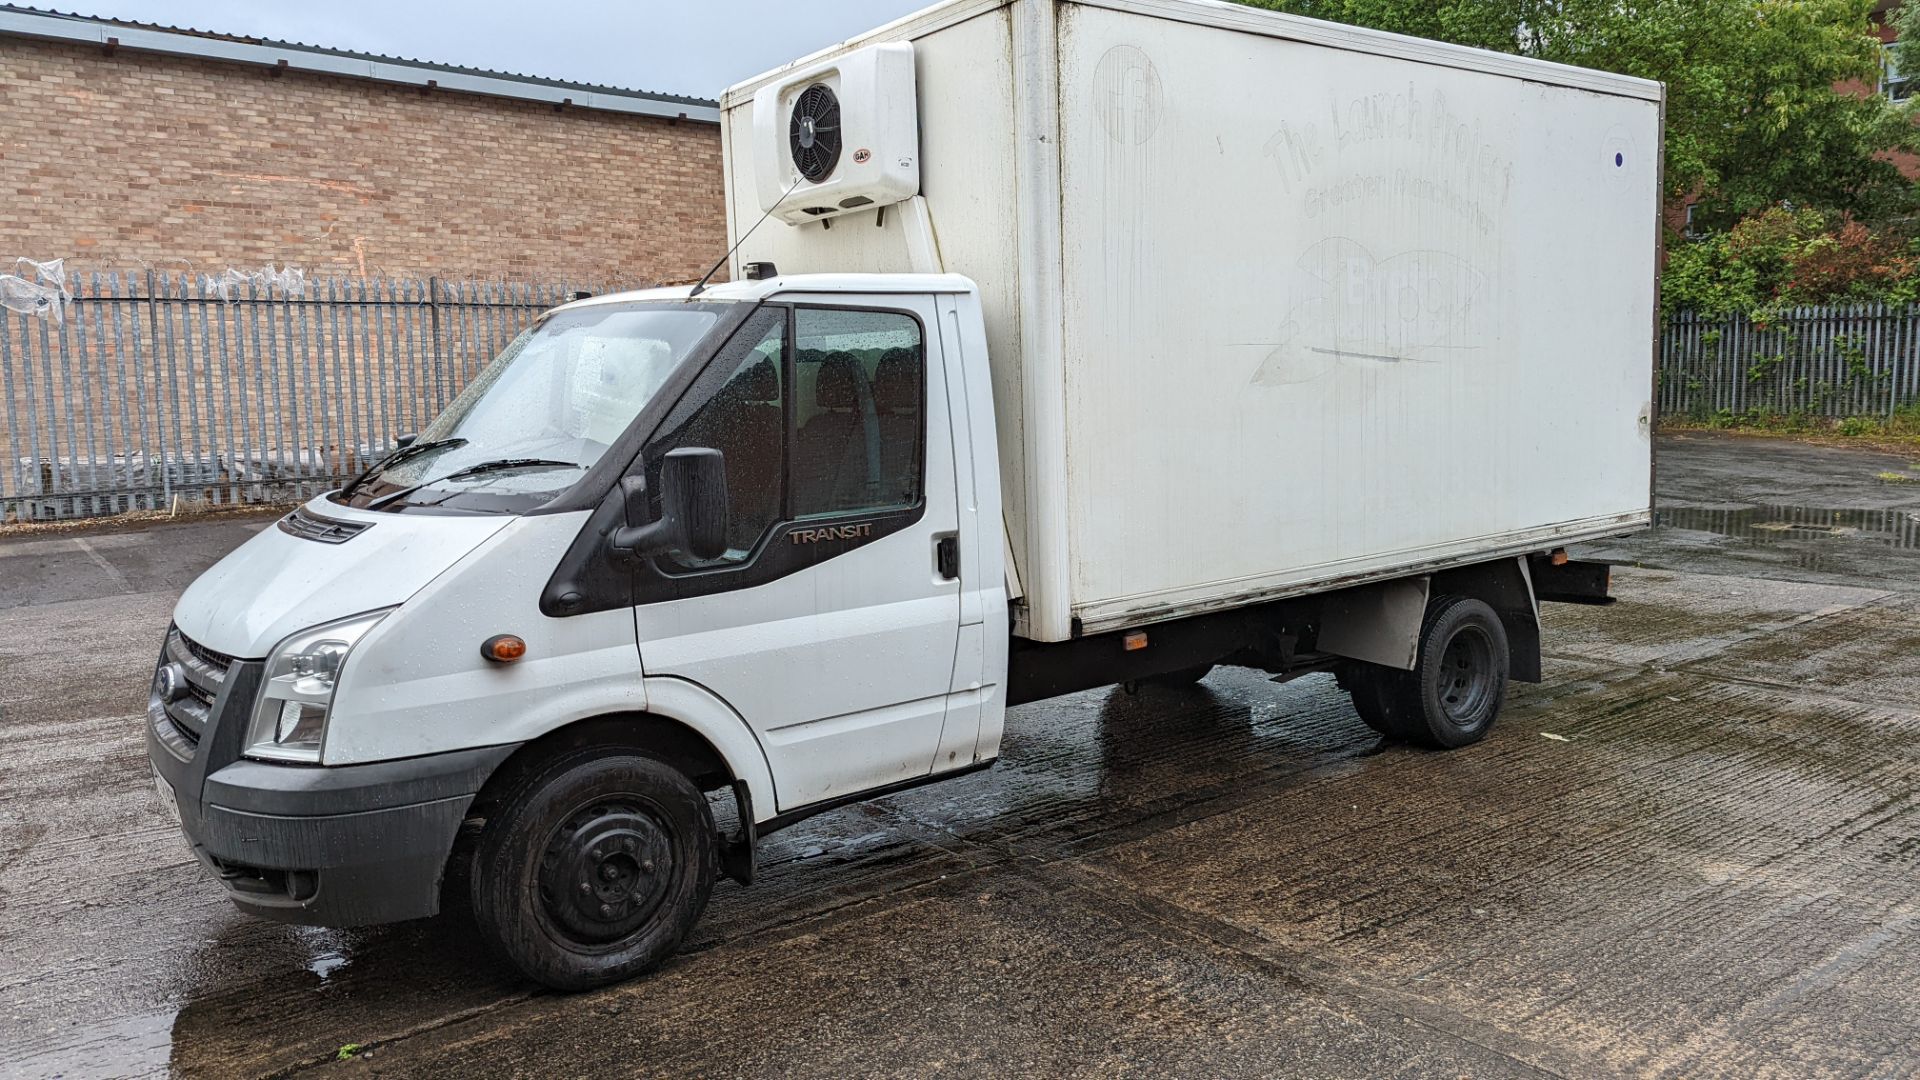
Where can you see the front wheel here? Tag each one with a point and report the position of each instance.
(595, 868)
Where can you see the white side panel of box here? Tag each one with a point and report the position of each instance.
(1330, 313)
(967, 176)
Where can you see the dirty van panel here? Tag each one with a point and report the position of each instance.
(1408, 295)
(1362, 290)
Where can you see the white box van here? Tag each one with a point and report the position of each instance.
(1067, 345)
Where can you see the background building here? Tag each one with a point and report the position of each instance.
(125, 144)
(430, 212)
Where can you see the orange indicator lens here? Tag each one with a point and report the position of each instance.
(503, 648)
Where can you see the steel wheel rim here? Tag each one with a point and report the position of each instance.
(606, 869)
(1466, 676)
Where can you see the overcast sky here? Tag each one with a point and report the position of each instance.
(693, 47)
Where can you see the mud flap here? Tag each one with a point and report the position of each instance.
(1378, 623)
(737, 852)
(1570, 581)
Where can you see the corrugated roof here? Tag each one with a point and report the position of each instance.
(23, 21)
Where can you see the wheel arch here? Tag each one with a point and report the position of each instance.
(1381, 622)
(1505, 586)
(685, 723)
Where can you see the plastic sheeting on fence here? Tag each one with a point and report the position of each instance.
(37, 288)
(234, 284)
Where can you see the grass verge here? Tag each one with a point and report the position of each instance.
(1895, 434)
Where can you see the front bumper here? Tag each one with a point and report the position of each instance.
(318, 845)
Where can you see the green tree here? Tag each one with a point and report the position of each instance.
(1753, 118)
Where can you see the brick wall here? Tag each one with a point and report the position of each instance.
(109, 161)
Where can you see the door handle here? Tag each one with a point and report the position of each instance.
(946, 555)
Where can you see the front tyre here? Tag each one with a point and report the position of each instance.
(595, 868)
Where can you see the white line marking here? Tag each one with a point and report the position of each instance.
(100, 561)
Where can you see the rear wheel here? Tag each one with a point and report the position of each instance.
(595, 868)
(1454, 692)
(1460, 680)
(1379, 698)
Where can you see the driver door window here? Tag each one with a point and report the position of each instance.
(832, 429)
(860, 378)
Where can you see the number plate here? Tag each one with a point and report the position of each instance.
(168, 803)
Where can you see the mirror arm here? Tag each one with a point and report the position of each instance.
(633, 543)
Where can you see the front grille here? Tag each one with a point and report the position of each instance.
(218, 661)
(189, 719)
(308, 525)
(200, 694)
(206, 673)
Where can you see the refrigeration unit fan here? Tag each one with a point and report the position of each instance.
(813, 133)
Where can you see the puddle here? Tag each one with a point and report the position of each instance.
(1764, 525)
(327, 950)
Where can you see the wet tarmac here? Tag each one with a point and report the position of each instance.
(1692, 851)
(1766, 507)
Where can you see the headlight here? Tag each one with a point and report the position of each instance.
(290, 717)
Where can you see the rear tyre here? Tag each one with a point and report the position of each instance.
(594, 869)
(1458, 683)
(1460, 680)
(1380, 697)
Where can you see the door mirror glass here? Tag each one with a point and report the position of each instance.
(693, 489)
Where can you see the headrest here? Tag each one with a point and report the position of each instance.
(896, 382)
(836, 386)
(761, 382)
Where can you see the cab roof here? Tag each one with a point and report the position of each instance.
(752, 291)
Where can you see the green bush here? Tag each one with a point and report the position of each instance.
(1782, 258)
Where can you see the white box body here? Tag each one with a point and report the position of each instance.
(1273, 305)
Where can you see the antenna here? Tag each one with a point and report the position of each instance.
(702, 286)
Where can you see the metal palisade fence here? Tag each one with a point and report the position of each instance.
(151, 391)
(1843, 361)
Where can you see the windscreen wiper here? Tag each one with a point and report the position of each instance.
(497, 465)
(398, 456)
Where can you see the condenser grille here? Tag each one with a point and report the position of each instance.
(814, 133)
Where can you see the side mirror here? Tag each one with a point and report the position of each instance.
(400, 441)
(693, 508)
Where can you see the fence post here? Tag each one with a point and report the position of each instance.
(152, 366)
(433, 337)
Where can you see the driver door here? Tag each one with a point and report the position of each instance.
(828, 625)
